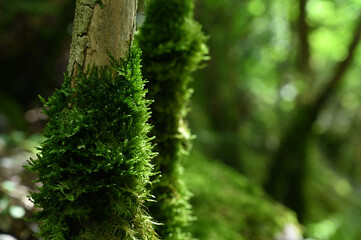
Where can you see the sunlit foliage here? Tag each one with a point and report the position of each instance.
(255, 51)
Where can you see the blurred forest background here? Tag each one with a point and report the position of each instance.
(276, 112)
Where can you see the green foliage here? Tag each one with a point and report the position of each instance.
(94, 165)
(255, 103)
(173, 45)
(230, 207)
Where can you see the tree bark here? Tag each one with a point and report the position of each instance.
(101, 27)
(95, 164)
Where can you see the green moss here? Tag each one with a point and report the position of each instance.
(94, 165)
(101, 4)
(173, 45)
(230, 207)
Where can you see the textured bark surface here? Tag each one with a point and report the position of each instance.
(101, 26)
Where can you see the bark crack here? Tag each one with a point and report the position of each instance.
(100, 29)
(80, 39)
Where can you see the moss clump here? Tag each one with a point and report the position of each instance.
(228, 206)
(94, 165)
(173, 46)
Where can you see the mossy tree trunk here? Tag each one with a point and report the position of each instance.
(94, 165)
(173, 46)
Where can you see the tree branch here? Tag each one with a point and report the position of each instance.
(303, 29)
(340, 70)
(289, 168)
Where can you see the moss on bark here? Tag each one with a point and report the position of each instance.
(173, 45)
(94, 166)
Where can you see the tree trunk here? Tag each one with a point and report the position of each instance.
(94, 165)
(99, 28)
(173, 46)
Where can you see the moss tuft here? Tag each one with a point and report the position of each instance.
(94, 165)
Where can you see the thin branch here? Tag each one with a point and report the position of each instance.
(340, 70)
(303, 30)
